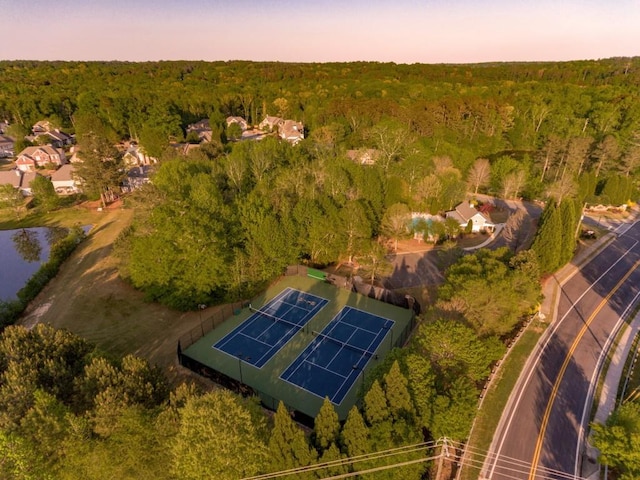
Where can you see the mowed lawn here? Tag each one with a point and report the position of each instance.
(88, 298)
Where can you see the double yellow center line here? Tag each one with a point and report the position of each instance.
(556, 385)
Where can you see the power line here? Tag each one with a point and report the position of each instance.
(508, 465)
(452, 451)
(407, 449)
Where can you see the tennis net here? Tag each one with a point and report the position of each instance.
(274, 318)
(362, 351)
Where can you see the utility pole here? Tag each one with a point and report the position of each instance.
(444, 451)
(580, 220)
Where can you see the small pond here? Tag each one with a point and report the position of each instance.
(22, 252)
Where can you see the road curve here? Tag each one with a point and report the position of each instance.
(541, 432)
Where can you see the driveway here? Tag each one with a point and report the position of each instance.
(414, 269)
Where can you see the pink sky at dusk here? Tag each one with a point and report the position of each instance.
(401, 31)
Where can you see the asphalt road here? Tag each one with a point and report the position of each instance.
(541, 433)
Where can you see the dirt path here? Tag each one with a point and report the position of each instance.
(88, 298)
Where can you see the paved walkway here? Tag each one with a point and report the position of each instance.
(493, 236)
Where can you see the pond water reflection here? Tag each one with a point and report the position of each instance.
(22, 252)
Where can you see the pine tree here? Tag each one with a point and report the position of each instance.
(569, 224)
(218, 438)
(354, 437)
(326, 427)
(288, 446)
(376, 409)
(397, 393)
(548, 240)
(422, 387)
(329, 455)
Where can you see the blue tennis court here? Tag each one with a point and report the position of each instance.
(268, 329)
(332, 362)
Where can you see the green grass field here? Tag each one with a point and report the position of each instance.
(89, 298)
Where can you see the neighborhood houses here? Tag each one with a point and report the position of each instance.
(40, 157)
(18, 179)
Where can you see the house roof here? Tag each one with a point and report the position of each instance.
(48, 149)
(6, 140)
(58, 135)
(466, 210)
(12, 177)
(63, 174)
(271, 121)
(42, 125)
(291, 129)
(239, 120)
(142, 171)
(201, 125)
(27, 178)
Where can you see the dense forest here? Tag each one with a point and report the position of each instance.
(220, 222)
(532, 130)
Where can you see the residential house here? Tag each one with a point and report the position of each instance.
(57, 138)
(363, 156)
(136, 177)
(11, 177)
(135, 155)
(25, 185)
(291, 131)
(3, 126)
(202, 129)
(37, 157)
(18, 179)
(43, 126)
(244, 125)
(270, 124)
(465, 212)
(64, 180)
(54, 136)
(6, 146)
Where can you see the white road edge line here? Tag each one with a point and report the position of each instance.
(539, 354)
(596, 373)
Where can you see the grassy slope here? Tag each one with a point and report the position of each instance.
(88, 298)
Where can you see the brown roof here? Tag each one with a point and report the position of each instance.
(63, 174)
(48, 149)
(12, 177)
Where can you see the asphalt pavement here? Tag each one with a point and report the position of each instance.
(542, 431)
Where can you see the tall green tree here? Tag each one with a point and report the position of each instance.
(619, 440)
(376, 409)
(44, 193)
(548, 240)
(220, 436)
(101, 168)
(326, 427)
(288, 446)
(354, 436)
(455, 351)
(396, 223)
(397, 393)
(11, 197)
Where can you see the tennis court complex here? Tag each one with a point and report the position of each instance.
(267, 330)
(332, 362)
(302, 340)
